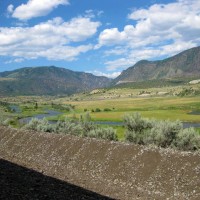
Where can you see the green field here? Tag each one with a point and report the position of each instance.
(111, 104)
(172, 108)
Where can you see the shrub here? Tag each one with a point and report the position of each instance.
(86, 117)
(103, 133)
(163, 133)
(97, 110)
(39, 125)
(3, 120)
(107, 109)
(44, 126)
(137, 128)
(134, 122)
(68, 127)
(32, 125)
(188, 139)
(131, 136)
(160, 133)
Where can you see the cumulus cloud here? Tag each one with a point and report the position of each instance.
(161, 29)
(52, 39)
(35, 8)
(119, 63)
(109, 75)
(10, 9)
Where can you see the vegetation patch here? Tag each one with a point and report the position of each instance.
(84, 128)
(138, 130)
(160, 133)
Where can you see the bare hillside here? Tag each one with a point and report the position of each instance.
(113, 169)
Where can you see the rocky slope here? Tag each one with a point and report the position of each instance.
(113, 169)
(48, 81)
(185, 64)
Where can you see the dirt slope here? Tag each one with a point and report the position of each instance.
(117, 170)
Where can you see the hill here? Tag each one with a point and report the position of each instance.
(48, 81)
(182, 65)
(113, 169)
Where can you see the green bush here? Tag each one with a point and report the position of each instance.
(107, 109)
(97, 110)
(134, 122)
(163, 133)
(68, 127)
(131, 136)
(32, 125)
(136, 128)
(160, 133)
(103, 133)
(188, 139)
(2, 120)
(86, 123)
(39, 125)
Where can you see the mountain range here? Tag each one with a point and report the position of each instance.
(52, 80)
(48, 81)
(183, 65)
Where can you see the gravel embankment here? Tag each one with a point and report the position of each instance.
(113, 169)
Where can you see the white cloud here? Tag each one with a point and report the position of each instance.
(120, 63)
(89, 13)
(52, 39)
(10, 9)
(16, 60)
(116, 51)
(160, 30)
(64, 52)
(35, 8)
(137, 54)
(112, 37)
(109, 75)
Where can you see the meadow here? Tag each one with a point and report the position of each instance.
(172, 108)
(111, 104)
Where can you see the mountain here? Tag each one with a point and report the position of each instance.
(185, 64)
(48, 81)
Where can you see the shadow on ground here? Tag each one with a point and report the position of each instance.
(19, 183)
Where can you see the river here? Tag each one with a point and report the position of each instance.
(51, 113)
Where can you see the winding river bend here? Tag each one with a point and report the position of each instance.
(49, 113)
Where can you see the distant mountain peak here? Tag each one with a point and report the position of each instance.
(184, 64)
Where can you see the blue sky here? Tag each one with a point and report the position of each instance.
(103, 37)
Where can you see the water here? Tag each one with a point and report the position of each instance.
(191, 124)
(50, 113)
(15, 108)
(109, 123)
(185, 124)
(194, 113)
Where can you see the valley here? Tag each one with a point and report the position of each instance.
(166, 89)
(100, 100)
(108, 106)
